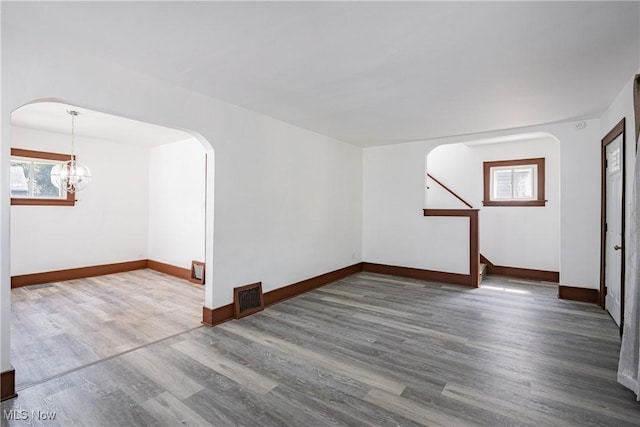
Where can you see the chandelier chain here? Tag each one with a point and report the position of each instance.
(73, 133)
(71, 176)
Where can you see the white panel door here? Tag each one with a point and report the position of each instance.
(613, 234)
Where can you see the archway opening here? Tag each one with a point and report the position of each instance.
(146, 215)
(521, 236)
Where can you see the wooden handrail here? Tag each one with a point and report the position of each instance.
(449, 190)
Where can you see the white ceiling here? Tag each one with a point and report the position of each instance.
(54, 117)
(368, 72)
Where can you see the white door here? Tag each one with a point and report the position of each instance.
(613, 234)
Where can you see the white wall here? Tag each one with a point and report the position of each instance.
(177, 203)
(107, 225)
(156, 210)
(395, 232)
(622, 107)
(288, 202)
(523, 237)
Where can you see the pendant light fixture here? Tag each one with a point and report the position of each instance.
(71, 176)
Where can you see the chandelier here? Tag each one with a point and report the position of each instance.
(71, 176)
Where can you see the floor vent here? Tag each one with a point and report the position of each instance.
(247, 300)
(197, 272)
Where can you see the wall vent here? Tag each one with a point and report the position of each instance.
(197, 272)
(247, 300)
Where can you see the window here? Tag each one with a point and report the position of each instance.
(30, 179)
(514, 183)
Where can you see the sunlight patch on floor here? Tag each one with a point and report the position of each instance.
(504, 289)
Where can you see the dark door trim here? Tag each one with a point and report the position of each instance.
(617, 130)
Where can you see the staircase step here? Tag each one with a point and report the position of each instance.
(483, 271)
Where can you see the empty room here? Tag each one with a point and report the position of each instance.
(148, 215)
(320, 213)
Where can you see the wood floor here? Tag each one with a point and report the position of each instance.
(61, 326)
(367, 350)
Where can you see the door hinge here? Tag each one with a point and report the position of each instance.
(605, 291)
(606, 164)
(606, 226)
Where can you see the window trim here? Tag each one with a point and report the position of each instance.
(539, 201)
(21, 201)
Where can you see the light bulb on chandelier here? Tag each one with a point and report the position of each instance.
(71, 176)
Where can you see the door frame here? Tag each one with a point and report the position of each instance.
(614, 133)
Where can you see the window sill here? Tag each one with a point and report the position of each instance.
(16, 201)
(515, 203)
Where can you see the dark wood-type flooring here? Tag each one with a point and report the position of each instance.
(367, 350)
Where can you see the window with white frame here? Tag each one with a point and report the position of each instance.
(514, 183)
(30, 179)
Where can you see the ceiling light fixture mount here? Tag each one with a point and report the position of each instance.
(71, 176)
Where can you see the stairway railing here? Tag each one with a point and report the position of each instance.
(437, 181)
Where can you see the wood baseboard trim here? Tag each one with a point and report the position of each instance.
(290, 291)
(171, 270)
(215, 316)
(8, 385)
(521, 273)
(526, 273)
(417, 273)
(578, 294)
(76, 273)
(98, 270)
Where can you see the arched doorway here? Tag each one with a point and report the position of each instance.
(521, 237)
(150, 201)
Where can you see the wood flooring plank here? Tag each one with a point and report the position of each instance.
(553, 326)
(119, 374)
(168, 410)
(327, 327)
(410, 409)
(413, 329)
(368, 350)
(230, 406)
(390, 280)
(552, 362)
(69, 324)
(362, 306)
(335, 408)
(503, 407)
(230, 369)
(330, 290)
(466, 415)
(359, 373)
(283, 365)
(166, 376)
(577, 400)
